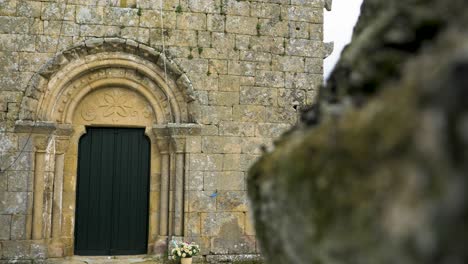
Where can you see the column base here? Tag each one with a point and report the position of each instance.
(160, 246)
(56, 250)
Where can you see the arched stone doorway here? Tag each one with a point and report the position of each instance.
(106, 83)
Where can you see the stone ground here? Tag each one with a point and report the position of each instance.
(104, 260)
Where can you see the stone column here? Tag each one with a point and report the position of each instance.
(56, 248)
(179, 133)
(171, 142)
(38, 195)
(40, 133)
(163, 141)
(178, 144)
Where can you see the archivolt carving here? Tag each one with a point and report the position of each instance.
(87, 66)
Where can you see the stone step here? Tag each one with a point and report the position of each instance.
(143, 259)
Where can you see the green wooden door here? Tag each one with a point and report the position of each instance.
(112, 192)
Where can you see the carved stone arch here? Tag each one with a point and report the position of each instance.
(108, 83)
(94, 54)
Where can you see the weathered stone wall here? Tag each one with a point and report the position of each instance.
(378, 172)
(251, 64)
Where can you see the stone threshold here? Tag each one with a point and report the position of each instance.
(104, 260)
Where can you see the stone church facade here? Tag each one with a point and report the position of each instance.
(208, 82)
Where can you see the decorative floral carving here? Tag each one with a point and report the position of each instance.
(88, 112)
(116, 103)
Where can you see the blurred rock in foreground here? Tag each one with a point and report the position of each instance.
(383, 177)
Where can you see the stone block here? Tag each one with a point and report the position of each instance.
(213, 223)
(258, 96)
(303, 13)
(29, 61)
(16, 250)
(273, 27)
(314, 65)
(231, 242)
(266, 10)
(228, 128)
(249, 223)
(288, 64)
(99, 31)
(19, 181)
(223, 98)
(244, 68)
(217, 144)
(215, 114)
(8, 8)
(210, 130)
(271, 130)
(8, 142)
(13, 202)
(8, 61)
(203, 6)
(216, 23)
(192, 224)
(5, 224)
(3, 181)
(229, 83)
(225, 180)
(152, 19)
(231, 162)
(232, 201)
(241, 25)
(291, 98)
(18, 227)
(286, 115)
(121, 16)
(270, 78)
(305, 48)
(242, 42)
(299, 30)
(19, 25)
(275, 45)
(192, 21)
(206, 162)
(52, 11)
(254, 145)
(8, 42)
(237, 8)
(249, 55)
(26, 43)
(29, 8)
(195, 181)
(193, 144)
(204, 39)
(201, 201)
(137, 34)
(316, 32)
(89, 15)
(38, 251)
(303, 81)
(249, 113)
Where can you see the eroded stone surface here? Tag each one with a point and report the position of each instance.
(224, 66)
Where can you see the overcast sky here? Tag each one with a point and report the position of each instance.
(339, 24)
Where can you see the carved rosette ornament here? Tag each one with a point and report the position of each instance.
(116, 106)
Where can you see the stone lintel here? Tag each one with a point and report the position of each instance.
(35, 127)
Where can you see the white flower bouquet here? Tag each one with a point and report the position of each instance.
(184, 250)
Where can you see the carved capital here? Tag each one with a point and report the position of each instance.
(40, 142)
(162, 138)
